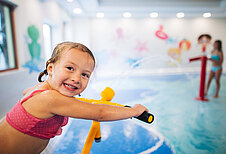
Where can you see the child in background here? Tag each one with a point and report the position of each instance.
(217, 59)
(45, 108)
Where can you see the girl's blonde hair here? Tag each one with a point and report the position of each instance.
(58, 50)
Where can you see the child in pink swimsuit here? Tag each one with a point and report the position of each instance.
(45, 108)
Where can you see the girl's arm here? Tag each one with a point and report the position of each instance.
(71, 107)
(221, 57)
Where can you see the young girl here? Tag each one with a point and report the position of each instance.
(217, 59)
(45, 108)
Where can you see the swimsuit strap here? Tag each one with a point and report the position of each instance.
(28, 124)
(29, 96)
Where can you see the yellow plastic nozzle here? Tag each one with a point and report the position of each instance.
(107, 94)
(150, 119)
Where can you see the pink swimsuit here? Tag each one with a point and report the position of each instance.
(24, 122)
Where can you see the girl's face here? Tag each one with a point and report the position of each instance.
(71, 73)
(215, 45)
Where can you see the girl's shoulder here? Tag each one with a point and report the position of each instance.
(40, 101)
(48, 96)
(39, 92)
(219, 52)
(44, 93)
(30, 89)
(213, 52)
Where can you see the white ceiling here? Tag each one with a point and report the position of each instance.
(142, 8)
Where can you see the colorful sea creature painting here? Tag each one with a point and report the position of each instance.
(160, 34)
(141, 46)
(36, 63)
(175, 55)
(134, 63)
(120, 33)
(184, 45)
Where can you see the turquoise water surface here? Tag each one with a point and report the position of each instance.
(187, 125)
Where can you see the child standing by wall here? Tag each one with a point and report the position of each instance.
(45, 108)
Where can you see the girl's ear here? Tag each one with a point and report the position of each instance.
(50, 69)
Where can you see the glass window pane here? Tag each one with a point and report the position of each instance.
(7, 55)
(47, 32)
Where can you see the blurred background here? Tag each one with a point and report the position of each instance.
(129, 38)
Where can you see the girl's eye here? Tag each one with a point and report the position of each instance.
(85, 75)
(70, 68)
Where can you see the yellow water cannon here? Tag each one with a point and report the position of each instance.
(106, 96)
(95, 134)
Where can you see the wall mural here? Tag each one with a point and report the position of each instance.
(35, 64)
(120, 34)
(184, 45)
(175, 52)
(140, 46)
(160, 34)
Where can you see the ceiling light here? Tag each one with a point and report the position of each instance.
(127, 15)
(180, 15)
(154, 15)
(207, 15)
(77, 11)
(70, 1)
(100, 15)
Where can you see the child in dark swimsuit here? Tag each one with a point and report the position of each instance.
(217, 59)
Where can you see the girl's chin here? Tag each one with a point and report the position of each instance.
(69, 94)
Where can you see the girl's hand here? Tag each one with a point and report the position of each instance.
(139, 109)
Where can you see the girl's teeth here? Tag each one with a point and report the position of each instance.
(70, 86)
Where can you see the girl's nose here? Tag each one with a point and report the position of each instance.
(76, 78)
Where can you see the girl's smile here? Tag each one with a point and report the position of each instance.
(71, 73)
(70, 87)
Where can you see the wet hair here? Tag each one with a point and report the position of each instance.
(219, 45)
(59, 49)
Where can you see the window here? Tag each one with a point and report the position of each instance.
(47, 35)
(7, 46)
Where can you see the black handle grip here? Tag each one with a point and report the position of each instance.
(145, 117)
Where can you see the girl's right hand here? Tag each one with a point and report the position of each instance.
(139, 109)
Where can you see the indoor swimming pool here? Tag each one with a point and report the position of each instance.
(182, 124)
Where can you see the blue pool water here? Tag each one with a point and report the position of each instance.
(182, 124)
(116, 137)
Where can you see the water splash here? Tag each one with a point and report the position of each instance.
(125, 74)
(191, 77)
